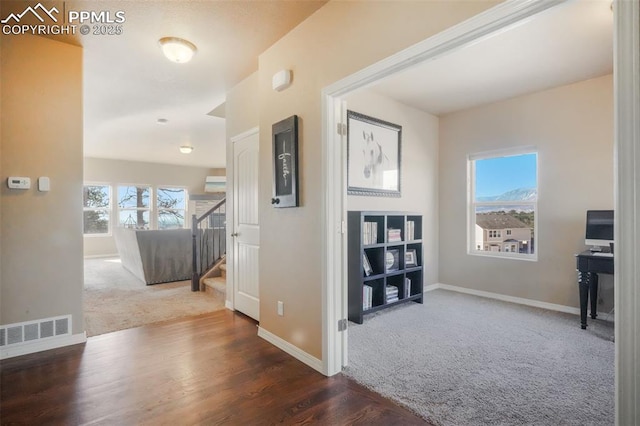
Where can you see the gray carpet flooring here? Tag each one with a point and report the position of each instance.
(115, 299)
(465, 360)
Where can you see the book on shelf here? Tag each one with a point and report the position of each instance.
(369, 233)
(366, 265)
(392, 293)
(407, 287)
(410, 230)
(367, 297)
(394, 235)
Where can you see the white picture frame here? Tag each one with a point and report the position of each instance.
(215, 184)
(410, 258)
(373, 156)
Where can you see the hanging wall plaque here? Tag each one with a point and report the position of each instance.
(285, 163)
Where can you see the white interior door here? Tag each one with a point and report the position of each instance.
(246, 230)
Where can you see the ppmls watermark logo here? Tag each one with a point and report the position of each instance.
(52, 22)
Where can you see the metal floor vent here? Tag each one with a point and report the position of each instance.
(32, 331)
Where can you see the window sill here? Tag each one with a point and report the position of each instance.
(505, 255)
(98, 235)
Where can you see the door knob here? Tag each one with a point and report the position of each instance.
(235, 234)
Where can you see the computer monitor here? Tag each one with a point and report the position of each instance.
(599, 230)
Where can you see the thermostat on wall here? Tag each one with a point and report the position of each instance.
(16, 182)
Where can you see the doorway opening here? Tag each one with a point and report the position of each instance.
(335, 109)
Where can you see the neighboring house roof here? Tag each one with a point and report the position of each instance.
(498, 221)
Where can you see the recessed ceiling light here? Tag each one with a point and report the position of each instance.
(186, 149)
(162, 121)
(177, 50)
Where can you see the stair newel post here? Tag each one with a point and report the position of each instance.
(195, 280)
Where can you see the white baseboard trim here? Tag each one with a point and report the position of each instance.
(101, 256)
(43, 345)
(292, 350)
(228, 305)
(513, 299)
(431, 287)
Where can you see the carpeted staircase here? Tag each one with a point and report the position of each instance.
(216, 279)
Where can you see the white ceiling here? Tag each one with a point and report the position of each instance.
(129, 84)
(566, 44)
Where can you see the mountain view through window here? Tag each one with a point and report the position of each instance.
(503, 204)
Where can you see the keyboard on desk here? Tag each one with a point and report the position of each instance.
(602, 254)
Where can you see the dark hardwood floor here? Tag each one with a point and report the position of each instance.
(210, 369)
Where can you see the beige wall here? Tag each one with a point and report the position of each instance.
(572, 127)
(419, 169)
(242, 102)
(338, 40)
(1, 176)
(113, 172)
(41, 114)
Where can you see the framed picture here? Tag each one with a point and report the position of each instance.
(215, 184)
(285, 163)
(410, 258)
(366, 265)
(392, 260)
(373, 156)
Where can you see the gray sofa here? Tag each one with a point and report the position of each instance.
(156, 256)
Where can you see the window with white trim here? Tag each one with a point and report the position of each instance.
(96, 209)
(134, 208)
(503, 211)
(171, 207)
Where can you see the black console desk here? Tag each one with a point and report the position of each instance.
(589, 266)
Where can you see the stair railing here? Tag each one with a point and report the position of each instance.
(209, 234)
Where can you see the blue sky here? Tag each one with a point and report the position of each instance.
(495, 176)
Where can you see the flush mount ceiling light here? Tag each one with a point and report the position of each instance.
(177, 50)
(186, 149)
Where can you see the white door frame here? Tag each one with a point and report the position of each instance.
(627, 142)
(335, 261)
(230, 302)
(626, 77)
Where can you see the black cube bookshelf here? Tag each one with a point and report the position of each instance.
(385, 253)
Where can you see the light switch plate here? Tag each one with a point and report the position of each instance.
(44, 184)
